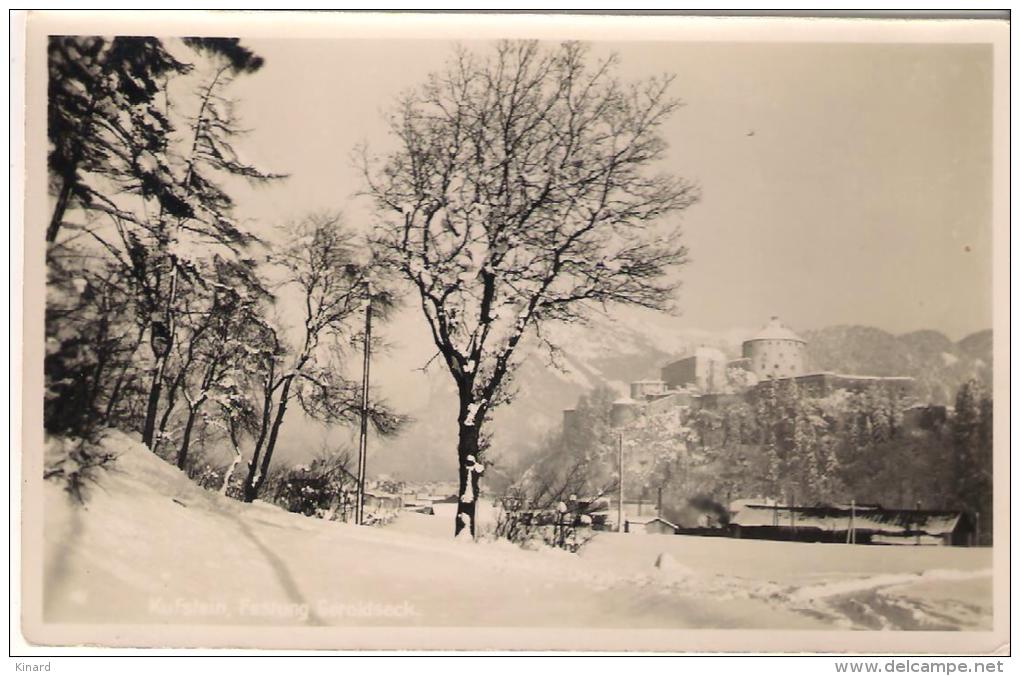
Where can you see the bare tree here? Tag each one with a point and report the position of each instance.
(519, 194)
(322, 263)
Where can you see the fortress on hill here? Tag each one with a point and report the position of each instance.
(706, 377)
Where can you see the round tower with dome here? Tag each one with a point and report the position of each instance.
(775, 352)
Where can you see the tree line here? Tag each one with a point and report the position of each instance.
(784, 444)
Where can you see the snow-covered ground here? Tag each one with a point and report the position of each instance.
(151, 547)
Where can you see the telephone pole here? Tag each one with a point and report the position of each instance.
(851, 534)
(359, 508)
(619, 504)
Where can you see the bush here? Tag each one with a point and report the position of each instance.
(319, 489)
(565, 526)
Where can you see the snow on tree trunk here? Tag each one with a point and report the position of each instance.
(230, 471)
(469, 471)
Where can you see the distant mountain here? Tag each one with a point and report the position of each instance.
(635, 345)
(938, 364)
(978, 346)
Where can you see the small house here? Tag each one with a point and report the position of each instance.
(379, 502)
(648, 525)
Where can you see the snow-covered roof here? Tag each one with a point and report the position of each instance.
(644, 520)
(852, 376)
(776, 330)
(847, 376)
(739, 503)
(890, 521)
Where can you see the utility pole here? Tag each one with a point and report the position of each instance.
(793, 515)
(851, 536)
(359, 508)
(917, 525)
(619, 505)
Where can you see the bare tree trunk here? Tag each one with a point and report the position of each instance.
(63, 199)
(115, 393)
(274, 434)
(182, 452)
(235, 443)
(248, 491)
(88, 410)
(230, 470)
(257, 477)
(155, 389)
(195, 408)
(157, 378)
(111, 403)
(467, 496)
(171, 400)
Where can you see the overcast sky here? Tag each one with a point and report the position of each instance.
(842, 184)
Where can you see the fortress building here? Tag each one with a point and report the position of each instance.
(775, 352)
(705, 378)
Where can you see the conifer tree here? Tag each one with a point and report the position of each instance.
(106, 120)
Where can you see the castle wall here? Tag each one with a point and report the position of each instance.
(823, 384)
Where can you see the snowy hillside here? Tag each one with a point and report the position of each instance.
(149, 546)
(634, 345)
